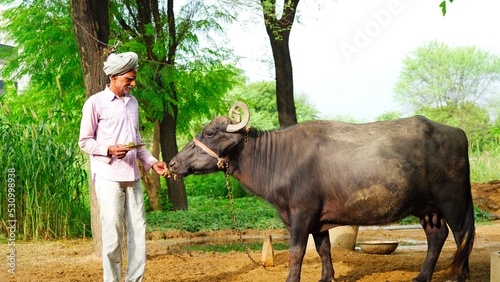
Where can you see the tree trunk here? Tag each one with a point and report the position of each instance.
(149, 186)
(91, 29)
(176, 188)
(278, 31)
(284, 81)
(156, 153)
(151, 180)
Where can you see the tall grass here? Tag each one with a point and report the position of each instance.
(49, 178)
(485, 164)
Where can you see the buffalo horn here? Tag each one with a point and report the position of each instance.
(241, 123)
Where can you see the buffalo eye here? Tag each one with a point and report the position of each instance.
(208, 134)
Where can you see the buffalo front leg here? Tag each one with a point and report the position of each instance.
(323, 247)
(298, 242)
(300, 222)
(436, 231)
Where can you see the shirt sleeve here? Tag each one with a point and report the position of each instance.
(88, 128)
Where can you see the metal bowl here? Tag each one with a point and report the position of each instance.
(378, 247)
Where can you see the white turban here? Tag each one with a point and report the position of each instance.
(118, 64)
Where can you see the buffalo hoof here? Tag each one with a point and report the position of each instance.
(456, 280)
(459, 278)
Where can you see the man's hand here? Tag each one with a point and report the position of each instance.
(162, 169)
(118, 151)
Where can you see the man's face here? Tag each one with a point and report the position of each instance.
(122, 84)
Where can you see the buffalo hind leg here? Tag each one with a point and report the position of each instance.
(436, 231)
(323, 247)
(460, 272)
(463, 232)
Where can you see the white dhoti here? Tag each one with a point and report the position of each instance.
(122, 201)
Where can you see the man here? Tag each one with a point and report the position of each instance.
(110, 121)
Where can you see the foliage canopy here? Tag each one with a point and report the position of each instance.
(437, 75)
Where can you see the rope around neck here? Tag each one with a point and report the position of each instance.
(221, 162)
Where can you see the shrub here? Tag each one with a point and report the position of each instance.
(213, 186)
(48, 180)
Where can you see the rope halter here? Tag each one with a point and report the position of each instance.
(221, 162)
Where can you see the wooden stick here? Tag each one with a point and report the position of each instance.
(267, 252)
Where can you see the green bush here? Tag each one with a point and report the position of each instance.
(213, 186)
(48, 181)
(209, 214)
(484, 164)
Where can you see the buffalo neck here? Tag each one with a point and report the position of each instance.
(261, 159)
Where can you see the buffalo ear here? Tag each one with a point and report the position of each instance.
(226, 146)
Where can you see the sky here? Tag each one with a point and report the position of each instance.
(347, 54)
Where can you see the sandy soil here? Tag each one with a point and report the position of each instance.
(74, 260)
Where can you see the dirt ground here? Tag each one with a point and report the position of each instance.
(74, 260)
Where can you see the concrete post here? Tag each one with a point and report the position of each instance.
(495, 267)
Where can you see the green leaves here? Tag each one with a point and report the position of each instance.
(436, 75)
(443, 6)
(183, 71)
(45, 47)
(50, 181)
(40, 129)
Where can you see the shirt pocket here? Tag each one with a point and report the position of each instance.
(133, 119)
(113, 115)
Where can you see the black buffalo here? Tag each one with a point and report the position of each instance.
(322, 174)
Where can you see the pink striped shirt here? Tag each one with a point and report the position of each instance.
(108, 120)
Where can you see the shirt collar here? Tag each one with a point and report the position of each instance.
(110, 95)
